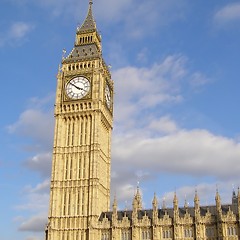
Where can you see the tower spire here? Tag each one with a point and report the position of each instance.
(89, 24)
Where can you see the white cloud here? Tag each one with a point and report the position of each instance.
(146, 17)
(229, 13)
(140, 90)
(198, 79)
(136, 17)
(194, 153)
(37, 125)
(140, 18)
(16, 33)
(34, 224)
(163, 125)
(40, 163)
(34, 201)
(205, 191)
(19, 30)
(40, 188)
(115, 9)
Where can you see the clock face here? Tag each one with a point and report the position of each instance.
(108, 96)
(77, 88)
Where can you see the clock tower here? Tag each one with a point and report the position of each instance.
(80, 181)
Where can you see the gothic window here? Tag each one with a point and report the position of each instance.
(73, 130)
(86, 131)
(68, 133)
(83, 196)
(81, 128)
(146, 234)
(78, 202)
(105, 236)
(209, 232)
(79, 168)
(84, 166)
(69, 204)
(70, 168)
(126, 235)
(188, 233)
(66, 168)
(167, 233)
(64, 203)
(231, 231)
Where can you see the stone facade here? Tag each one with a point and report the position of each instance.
(198, 222)
(80, 181)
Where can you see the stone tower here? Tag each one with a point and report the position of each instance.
(80, 181)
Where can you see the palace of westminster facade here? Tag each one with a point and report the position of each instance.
(80, 181)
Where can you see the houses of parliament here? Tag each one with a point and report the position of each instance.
(81, 162)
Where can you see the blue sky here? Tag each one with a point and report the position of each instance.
(175, 64)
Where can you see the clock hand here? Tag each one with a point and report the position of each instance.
(76, 86)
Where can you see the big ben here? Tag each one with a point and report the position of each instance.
(80, 180)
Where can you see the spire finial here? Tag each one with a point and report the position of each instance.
(155, 201)
(164, 203)
(185, 202)
(89, 23)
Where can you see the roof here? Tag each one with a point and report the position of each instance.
(83, 52)
(170, 212)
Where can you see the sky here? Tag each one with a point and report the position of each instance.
(175, 66)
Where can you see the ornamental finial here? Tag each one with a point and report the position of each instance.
(90, 2)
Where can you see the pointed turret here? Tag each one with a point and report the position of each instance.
(196, 205)
(238, 197)
(155, 208)
(175, 201)
(114, 208)
(137, 201)
(155, 202)
(89, 24)
(238, 203)
(219, 215)
(164, 207)
(186, 203)
(234, 197)
(175, 207)
(196, 200)
(218, 203)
